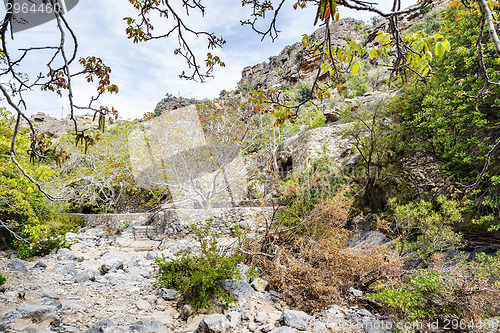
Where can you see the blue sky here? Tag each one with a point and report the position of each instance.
(146, 72)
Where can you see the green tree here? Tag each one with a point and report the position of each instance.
(23, 208)
(454, 115)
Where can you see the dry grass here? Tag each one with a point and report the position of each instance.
(311, 264)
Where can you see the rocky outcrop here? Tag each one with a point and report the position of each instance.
(295, 151)
(293, 64)
(55, 128)
(174, 103)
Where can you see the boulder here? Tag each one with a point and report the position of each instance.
(215, 323)
(295, 319)
(147, 325)
(239, 290)
(100, 326)
(296, 150)
(17, 265)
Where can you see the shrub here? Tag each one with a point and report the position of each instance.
(305, 253)
(414, 300)
(465, 289)
(425, 230)
(199, 277)
(303, 92)
(438, 116)
(3, 279)
(299, 55)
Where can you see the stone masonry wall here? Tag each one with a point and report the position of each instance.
(175, 223)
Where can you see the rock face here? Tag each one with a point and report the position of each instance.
(173, 103)
(294, 151)
(54, 127)
(293, 64)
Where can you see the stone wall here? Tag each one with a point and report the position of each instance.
(175, 223)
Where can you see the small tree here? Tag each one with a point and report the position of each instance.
(369, 128)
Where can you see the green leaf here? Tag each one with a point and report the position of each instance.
(355, 68)
(371, 53)
(440, 49)
(447, 45)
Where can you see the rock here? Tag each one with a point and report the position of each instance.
(364, 313)
(355, 292)
(234, 318)
(333, 312)
(147, 325)
(82, 277)
(284, 329)
(319, 327)
(143, 305)
(73, 305)
(239, 290)
(259, 284)
(369, 239)
(17, 265)
(10, 316)
(69, 269)
(246, 316)
(186, 310)
(153, 255)
(65, 254)
(294, 151)
(169, 294)
(267, 328)
(252, 327)
(215, 323)
(100, 326)
(40, 265)
(48, 301)
(114, 278)
(38, 313)
(111, 265)
(261, 317)
(272, 296)
(295, 319)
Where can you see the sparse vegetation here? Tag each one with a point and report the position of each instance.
(198, 277)
(303, 91)
(467, 290)
(307, 256)
(3, 279)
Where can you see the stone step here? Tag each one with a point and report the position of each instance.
(145, 233)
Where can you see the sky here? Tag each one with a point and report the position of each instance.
(146, 72)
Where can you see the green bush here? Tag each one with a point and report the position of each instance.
(3, 279)
(199, 277)
(299, 55)
(442, 116)
(464, 288)
(51, 237)
(413, 301)
(307, 187)
(303, 91)
(427, 230)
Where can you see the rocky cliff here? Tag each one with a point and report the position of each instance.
(294, 65)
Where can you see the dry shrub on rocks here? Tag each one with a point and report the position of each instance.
(310, 261)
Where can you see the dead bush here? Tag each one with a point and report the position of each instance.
(310, 262)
